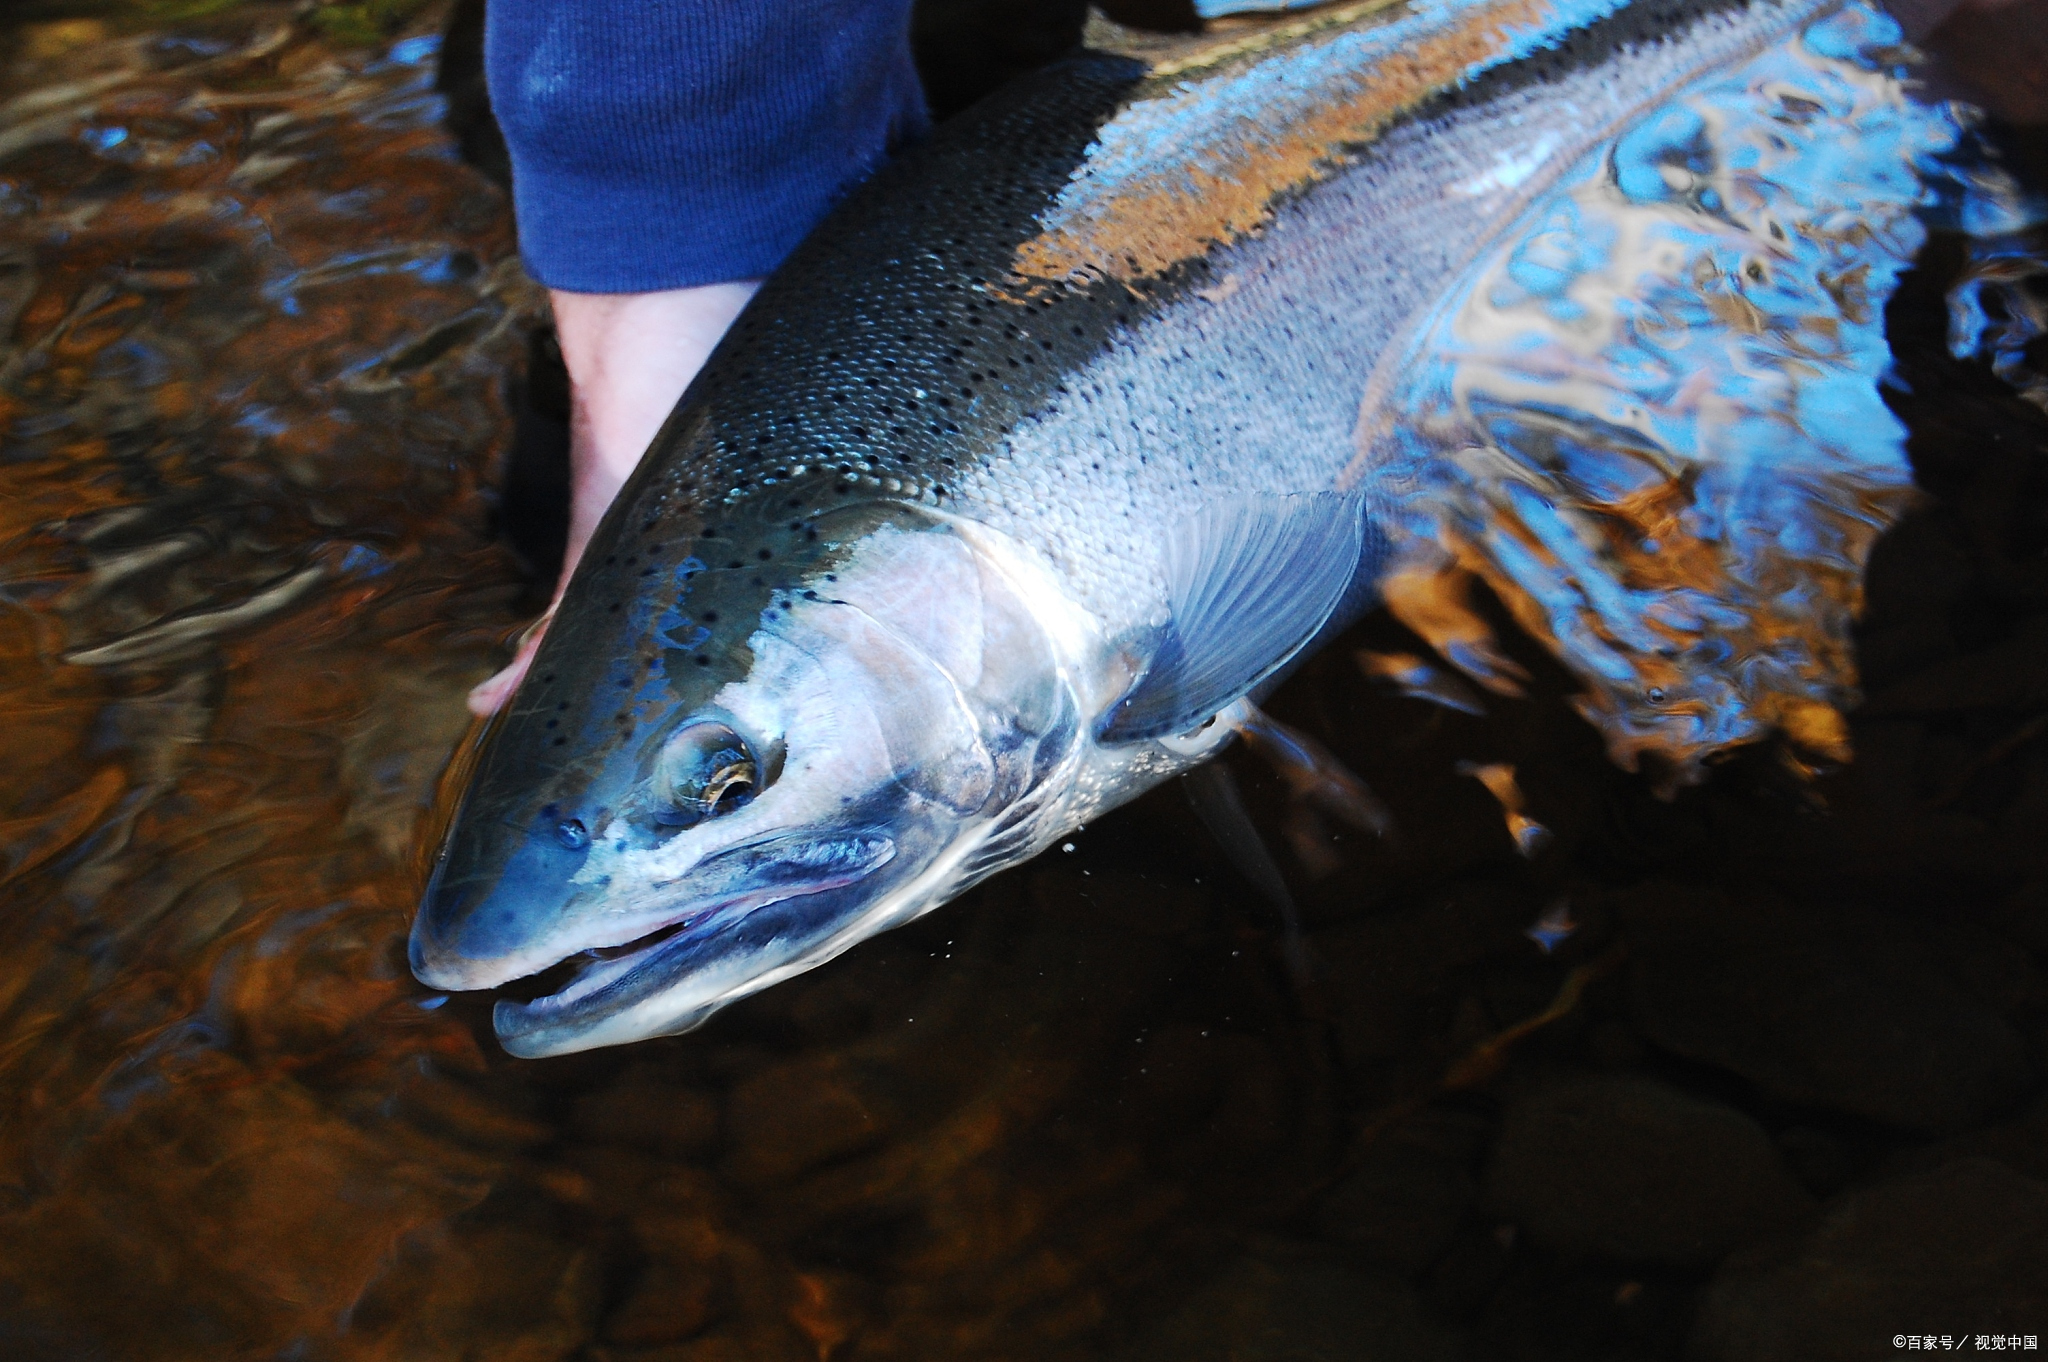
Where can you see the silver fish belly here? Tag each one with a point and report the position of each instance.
(1072, 431)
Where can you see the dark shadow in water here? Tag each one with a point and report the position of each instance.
(1773, 1091)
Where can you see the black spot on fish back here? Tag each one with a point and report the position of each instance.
(893, 342)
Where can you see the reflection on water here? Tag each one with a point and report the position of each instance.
(1647, 419)
(260, 320)
(1755, 1071)
(1993, 313)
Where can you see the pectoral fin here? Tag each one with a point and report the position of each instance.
(1250, 581)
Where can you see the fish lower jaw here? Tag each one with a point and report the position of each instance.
(673, 920)
(535, 1029)
(575, 1016)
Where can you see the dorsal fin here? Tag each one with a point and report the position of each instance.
(1250, 581)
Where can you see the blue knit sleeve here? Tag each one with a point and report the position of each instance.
(662, 143)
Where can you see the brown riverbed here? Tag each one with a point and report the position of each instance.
(1776, 1093)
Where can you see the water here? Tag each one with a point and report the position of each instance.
(1563, 1063)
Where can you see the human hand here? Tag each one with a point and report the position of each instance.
(629, 356)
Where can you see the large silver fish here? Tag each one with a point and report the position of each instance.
(1060, 441)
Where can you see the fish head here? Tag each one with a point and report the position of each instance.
(736, 756)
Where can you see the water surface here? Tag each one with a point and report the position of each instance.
(1571, 1071)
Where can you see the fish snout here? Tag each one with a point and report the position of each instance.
(453, 947)
(494, 898)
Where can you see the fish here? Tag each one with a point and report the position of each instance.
(1074, 430)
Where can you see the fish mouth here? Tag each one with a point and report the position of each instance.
(598, 996)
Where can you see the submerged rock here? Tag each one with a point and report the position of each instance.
(2020, 1144)
(2010, 675)
(1289, 1303)
(1411, 1188)
(1959, 1250)
(1627, 1167)
(1821, 1007)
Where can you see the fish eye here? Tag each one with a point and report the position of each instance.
(705, 769)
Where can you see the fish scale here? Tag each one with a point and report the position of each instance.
(1124, 341)
(1069, 412)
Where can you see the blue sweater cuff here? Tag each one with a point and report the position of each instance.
(663, 143)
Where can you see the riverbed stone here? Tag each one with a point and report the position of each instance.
(2021, 1144)
(667, 1302)
(1286, 1302)
(1958, 1250)
(1620, 1166)
(1409, 1189)
(1824, 1007)
(2009, 675)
